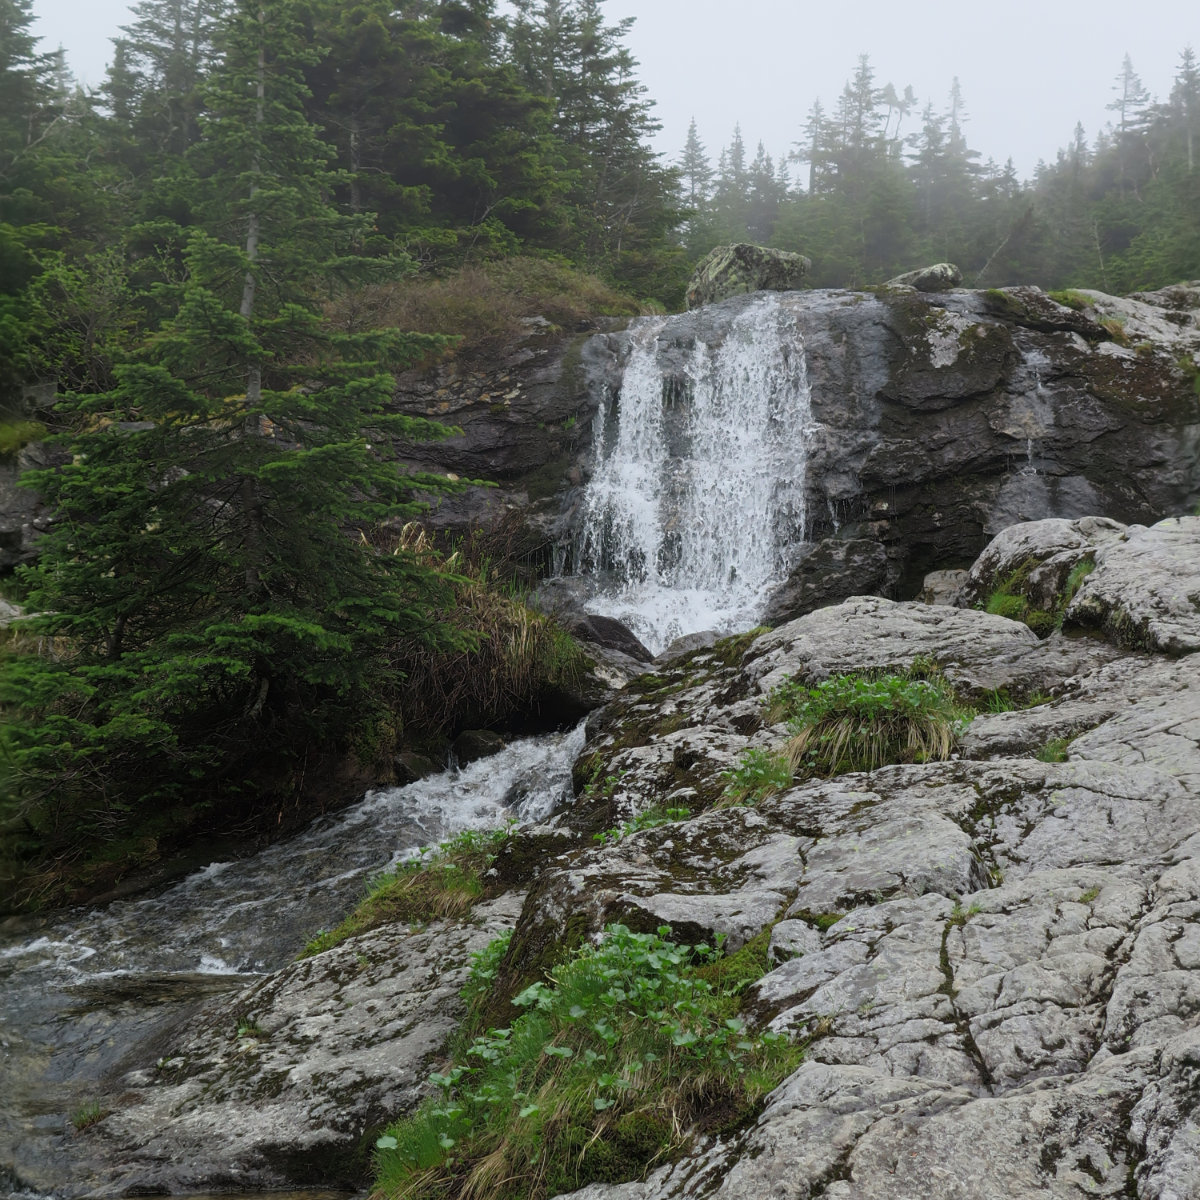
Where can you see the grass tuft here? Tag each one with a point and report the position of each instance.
(442, 883)
(506, 657)
(859, 722)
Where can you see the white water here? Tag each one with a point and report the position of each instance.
(254, 914)
(694, 504)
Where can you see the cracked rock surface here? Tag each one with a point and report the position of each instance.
(994, 961)
(996, 958)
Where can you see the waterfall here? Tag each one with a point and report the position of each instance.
(698, 491)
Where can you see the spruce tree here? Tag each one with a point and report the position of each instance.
(213, 580)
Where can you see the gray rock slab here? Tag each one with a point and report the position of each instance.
(343, 1042)
(1145, 590)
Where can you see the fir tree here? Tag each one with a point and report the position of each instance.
(210, 566)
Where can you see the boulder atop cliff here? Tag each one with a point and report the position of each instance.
(734, 270)
(938, 278)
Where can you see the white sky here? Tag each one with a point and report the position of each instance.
(1029, 68)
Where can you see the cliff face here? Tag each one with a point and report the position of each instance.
(996, 957)
(942, 418)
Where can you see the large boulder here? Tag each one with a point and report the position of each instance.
(734, 270)
(938, 278)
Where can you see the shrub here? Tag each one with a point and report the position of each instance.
(609, 1069)
(505, 656)
(861, 721)
(485, 305)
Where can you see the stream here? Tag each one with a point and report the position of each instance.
(695, 504)
(82, 995)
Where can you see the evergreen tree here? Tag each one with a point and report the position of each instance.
(440, 139)
(1130, 104)
(622, 199)
(158, 69)
(209, 565)
(1185, 103)
(695, 170)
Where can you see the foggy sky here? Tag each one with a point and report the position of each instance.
(1029, 69)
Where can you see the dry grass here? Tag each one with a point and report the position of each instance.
(484, 305)
(509, 654)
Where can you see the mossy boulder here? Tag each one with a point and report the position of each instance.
(937, 278)
(734, 270)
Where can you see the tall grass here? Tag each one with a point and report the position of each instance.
(442, 882)
(506, 657)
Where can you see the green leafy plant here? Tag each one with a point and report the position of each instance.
(759, 774)
(248, 1027)
(1055, 750)
(861, 721)
(88, 1114)
(650, 819)
(441, 882)
(610, 1068)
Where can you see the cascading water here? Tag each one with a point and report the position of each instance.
(75, 998)
(698, 493)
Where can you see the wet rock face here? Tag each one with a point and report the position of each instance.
(288, 1081)
(523, 433)
(940, 419)
(736, 270)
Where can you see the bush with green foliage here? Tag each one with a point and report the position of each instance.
(613, 1066)
(486, 305)
(859, 722)
(758, 774)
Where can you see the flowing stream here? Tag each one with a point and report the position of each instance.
(698, 493)
(83, 992)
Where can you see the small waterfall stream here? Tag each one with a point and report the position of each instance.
(89, 987)
(698, 492)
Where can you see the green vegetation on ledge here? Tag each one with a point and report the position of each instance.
(441, 883)
(613, 1066)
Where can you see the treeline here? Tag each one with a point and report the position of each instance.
(882, 183)
(467, 137)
